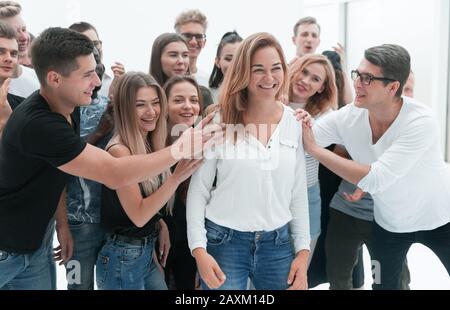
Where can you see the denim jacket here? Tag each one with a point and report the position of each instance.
(83, 196)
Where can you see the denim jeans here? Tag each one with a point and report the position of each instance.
(123, 266)
(315, 210)
(390, 249)
(264, 257)
(25, 271)
(87, 240)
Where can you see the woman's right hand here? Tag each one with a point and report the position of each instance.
(208, 269)
(185, 168)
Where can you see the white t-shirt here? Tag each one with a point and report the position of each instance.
(259, 188)
(26, 84)
(408, 180)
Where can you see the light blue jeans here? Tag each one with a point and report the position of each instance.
(315, 211)
(25, 271)
(124, 266)
(263, 257)
(88, 239)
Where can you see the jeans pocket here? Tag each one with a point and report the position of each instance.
(283, 237)
(216, 234)
(101, 267)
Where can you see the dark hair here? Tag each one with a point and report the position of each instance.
(7, 32)
(155, 61)
(335, 60)
(82, 27)
(99, 69)
(394, 62)
(216, 77)
(308, 20)
(171, 82)
(57, 49)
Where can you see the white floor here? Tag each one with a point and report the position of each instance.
(427, 272)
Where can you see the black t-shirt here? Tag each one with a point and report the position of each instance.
(114, 220)
(14, 100)
(35, 142)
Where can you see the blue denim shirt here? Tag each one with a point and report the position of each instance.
(83, 196)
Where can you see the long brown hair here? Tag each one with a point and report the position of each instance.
(126, 122)
(234, 95)
(319, 102)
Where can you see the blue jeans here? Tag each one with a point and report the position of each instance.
(88, 240)
(124, 266)
(315, 210)
(264, 257)
(25, 271)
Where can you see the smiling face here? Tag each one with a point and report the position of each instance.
(368, 96)
(77, 88)
(195, 45)
(184, 104)
(308, 82)
(266, 75)
(8, 57)
(175, 59)
(148, 109)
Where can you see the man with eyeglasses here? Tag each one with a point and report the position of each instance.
(117, 68)
(192, 25)
(394, 143)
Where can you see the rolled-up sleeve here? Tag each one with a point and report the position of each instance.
(199, 194)
(401, 156)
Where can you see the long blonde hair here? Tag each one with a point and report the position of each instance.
(234, 95)
(126, 122)
(319, 102)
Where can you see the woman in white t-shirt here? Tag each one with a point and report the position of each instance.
(313, 88)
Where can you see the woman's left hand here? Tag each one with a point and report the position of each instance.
(164, 243)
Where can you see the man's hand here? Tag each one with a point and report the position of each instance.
(355, 197)
(118, 69)
(5, 108)
(64, 251)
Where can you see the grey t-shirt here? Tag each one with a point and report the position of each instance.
(362, 209)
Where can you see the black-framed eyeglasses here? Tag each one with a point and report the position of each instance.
(198, 36)
(366, 78)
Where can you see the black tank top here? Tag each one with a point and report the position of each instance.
(114, 220)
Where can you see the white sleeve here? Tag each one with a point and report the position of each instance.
(326, 129)
(299, 225)
(198, 196)
(401, 156)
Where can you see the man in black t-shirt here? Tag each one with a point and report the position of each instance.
(40, 147)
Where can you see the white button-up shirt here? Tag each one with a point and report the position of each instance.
(408, 179)
(258, 188)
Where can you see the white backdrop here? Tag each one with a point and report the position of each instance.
(128, 31)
